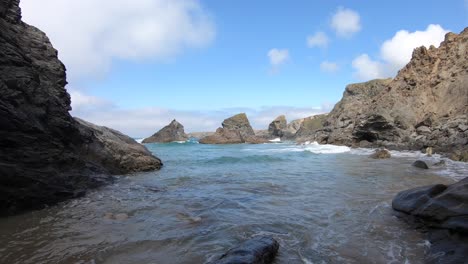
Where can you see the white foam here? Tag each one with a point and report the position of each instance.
(180, 142)
(315, 147)
(275, 140)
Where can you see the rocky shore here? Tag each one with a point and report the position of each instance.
(47, 156)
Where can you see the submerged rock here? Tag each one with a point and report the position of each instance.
(46, 156)
(381, 154)
(258, 250)
(420, 164)
(170, 133)
(444, 211)
(235, 130)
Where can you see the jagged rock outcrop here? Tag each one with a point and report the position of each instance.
(443, 210)
(235, 130)
(45, 155)
(170, 133)
(277, 127)
(425, 105)
(199, 135)
(309, 126)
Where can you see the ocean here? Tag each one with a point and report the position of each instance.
(324, 204)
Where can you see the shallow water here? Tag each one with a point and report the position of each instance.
(322, 203)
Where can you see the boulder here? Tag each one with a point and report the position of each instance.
(119, 153)
(258, 250)
(46, 156)
(381, 154)
(235, 130)
(443, 210)
(420, 164)
(170, 133)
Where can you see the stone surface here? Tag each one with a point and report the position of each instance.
(381, 154)
(277, 127)
(170, 133)
(258, 250)
(443, 210)
(235, 130)
(45, 155)
(420, 164)
(426, 104)
(309, 127)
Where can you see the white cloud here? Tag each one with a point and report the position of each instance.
(396, 52)
(329, 67)
(89, 34)
(278, 56)
(143, 122)
(319, 39)
(346, 22)
(366, 68)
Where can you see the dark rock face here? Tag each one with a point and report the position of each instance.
(420, 164)
(309, 127)
(381, 154)
(425, 105)
(235, 130)
(118, 153)
(444, 211)
(170, 133)
(258, 250)
(45, 156)
(277, 127)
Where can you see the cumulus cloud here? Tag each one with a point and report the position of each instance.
(319, 39)
(277, 58)
(346, 22)
(329, 67)
(396, 52)
(143, 122)
(89, 34)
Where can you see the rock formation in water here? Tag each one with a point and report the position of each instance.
(235, 130)
(258, 250)
(425, 105)
(46, 156)
(199, 135)
(277, 127)
(309, 126)
(443, 210)
(170, 133)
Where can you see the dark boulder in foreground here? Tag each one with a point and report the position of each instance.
(46, 156)
(444, 211)
(235, 130)
(170, 133)
(420, 164)
(258, 250)
(381, 154)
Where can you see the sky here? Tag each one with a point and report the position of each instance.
(134, 65)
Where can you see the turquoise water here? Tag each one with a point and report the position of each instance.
(324, 204)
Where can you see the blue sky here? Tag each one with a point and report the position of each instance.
(136, 65)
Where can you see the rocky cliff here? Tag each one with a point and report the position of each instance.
(425, 105)
(235, 130)
(170, 133)
(45, 155)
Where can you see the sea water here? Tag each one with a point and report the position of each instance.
(324, 204)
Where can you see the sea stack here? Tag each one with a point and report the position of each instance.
(277, 127)
(46, 155)
(170, 133)
(235, 130)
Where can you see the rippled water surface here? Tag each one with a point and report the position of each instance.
(323, 204)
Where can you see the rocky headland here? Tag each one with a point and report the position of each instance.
(47, 156)
(234, 130)
(170, 133)
(425, 105)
